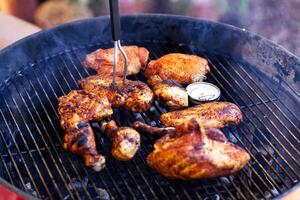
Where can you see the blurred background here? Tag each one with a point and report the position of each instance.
(277, 20)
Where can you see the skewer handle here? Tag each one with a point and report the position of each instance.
(115, 19)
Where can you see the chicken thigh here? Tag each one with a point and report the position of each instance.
(102, 60)
(182, 68)
(76, 110)
(134, 96)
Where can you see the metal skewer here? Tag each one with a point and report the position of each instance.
(115, 26)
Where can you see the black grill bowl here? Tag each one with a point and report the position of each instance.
(259, 76)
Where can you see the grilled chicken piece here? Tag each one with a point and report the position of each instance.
(76, 110)
(182, 68)
(135, 96)
(145, 128)
(196, 152)
(125, 140)
(102, 60)
(169, 92)
(214, 114)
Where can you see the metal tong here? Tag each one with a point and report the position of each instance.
(115, 27)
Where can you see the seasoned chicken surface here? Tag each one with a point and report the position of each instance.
(125, 140)
(214, 114)
(135, 96)
(102, 60)
(76, 110)
(196, 152)
(145, 128)
(182, 68)
(169, 92)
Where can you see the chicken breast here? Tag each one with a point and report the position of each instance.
(135, 96)
(196, 152)
(102, 60)
(169, 93)
(125, 140)
(76, 110)
(182, 68)
(214, 114)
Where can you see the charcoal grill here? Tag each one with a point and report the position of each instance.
(259, 76)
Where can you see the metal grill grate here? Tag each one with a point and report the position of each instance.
(32, 157)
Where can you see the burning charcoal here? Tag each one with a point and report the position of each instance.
(103, 194)
(77, 185)
(30, 189)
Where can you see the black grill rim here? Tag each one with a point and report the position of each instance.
(31, 39)
(272, 59)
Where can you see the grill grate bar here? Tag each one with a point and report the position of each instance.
(18, 150)
(52, 125)
(274, 125)
(249, 131)
(125, 183)
(229, 93)
(254, 113)
(236, 187)
(44, 142)
(130, 174)
(6, 172)
(54, 146)
(74, 168)
(290, 121)
(258, 104)
(81, 76)
(165, 196)
(132, 119)
(14, 164)
(111, 177)
(270, 120)
(156, 117)
(253, 123)
(257, 137)
(271, 170)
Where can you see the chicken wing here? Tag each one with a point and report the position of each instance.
(102, 60)
(135, 96)
(169, 92)
(125, 140)
(214, 114)
(76, 110)
(182, 68)
(196, 152)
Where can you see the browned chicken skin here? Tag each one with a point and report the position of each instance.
(214, 114)
(182, 68)
(102, 60)
(76, 110)
(145, 128)
(196, 152)
(135, 96)
(125, 140)
(169, 92)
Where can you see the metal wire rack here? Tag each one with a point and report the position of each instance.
(31, 151)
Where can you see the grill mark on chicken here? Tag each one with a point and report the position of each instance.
(76, 109)
(135, 96)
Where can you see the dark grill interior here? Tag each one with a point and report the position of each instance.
(32, 157)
